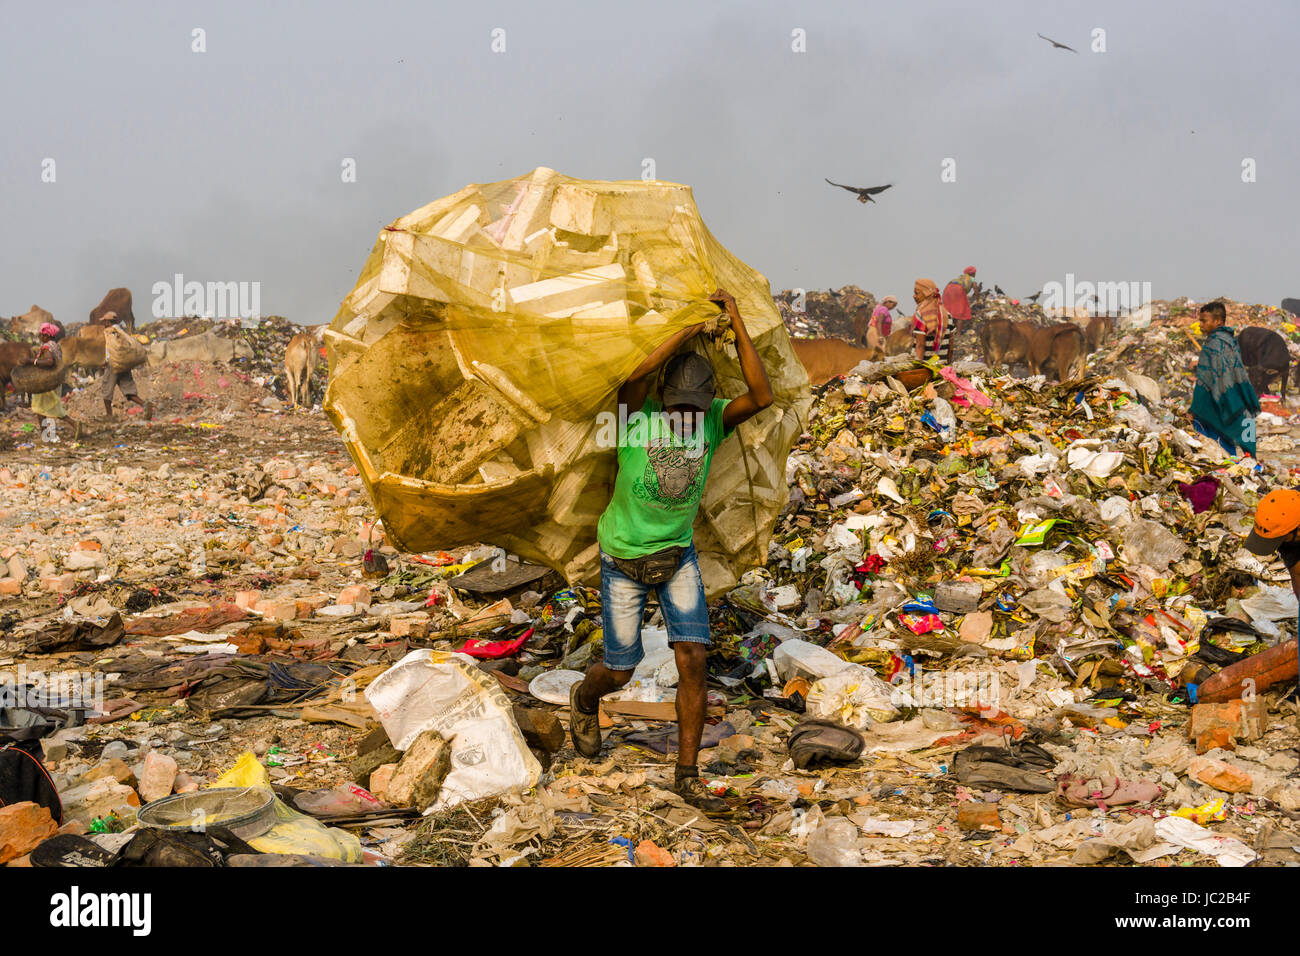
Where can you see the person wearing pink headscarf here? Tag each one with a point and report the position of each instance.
(49, 354)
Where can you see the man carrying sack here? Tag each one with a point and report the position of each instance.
(646, 533)
(121, 354)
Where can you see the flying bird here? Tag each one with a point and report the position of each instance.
(864, 193)
(1059, 46)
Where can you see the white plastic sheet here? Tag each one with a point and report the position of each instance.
(436, 690)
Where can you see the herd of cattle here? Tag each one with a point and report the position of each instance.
(84, 348)
(1057, 350)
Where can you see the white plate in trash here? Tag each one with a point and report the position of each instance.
(553, 686)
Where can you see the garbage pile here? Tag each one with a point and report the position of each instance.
(820, 315)
(1001, 622)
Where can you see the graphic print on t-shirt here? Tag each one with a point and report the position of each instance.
(671, 474)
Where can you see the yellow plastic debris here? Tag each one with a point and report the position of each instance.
(489, 331)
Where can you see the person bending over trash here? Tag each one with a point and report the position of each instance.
(645, 534)
(957, 299)
(1223, 402)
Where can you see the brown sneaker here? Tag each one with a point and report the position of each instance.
(688, 785)
(584, 728)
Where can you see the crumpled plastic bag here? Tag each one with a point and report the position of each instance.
(1049, 603)
(1184, 833)
(1039, 568)
(1271, 604)
(854, 697)
(1116, 512)
(1092, 462)
(1151, 544)
(445, 692)
(1033, 465)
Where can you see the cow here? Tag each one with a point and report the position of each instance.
(1058, 349)
(1098, 331)
(824, 359)
(299, 360)
(1005, 342)
(30, 323)
(12, 354)
(115, 300)
(900, 340)
(1265, 355)
(85, 348)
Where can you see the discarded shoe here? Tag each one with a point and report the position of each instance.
(583, 727)
(688, 785)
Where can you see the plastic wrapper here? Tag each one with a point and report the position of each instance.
(489, 330)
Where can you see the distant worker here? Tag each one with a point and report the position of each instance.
(1224, 403)
(957, 296)
(882, 323)
(49, 354)
(113, 380)
(646, 534)
(931, 330)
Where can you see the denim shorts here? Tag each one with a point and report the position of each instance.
(622, 601)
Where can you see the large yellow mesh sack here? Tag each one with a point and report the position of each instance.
(490, 329)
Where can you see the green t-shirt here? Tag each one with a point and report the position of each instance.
(660, 480)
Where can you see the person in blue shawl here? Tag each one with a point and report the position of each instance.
(1223, 403)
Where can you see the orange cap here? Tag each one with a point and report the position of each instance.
(1277, 516)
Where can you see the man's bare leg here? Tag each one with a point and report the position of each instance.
(600, 680)
(692, 698)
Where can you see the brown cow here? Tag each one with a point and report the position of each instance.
(824, 359)
(1098, 331)
(1004, 342)
(12, 354)
(116, 300)
(299, 360)
(85, 348)
(900, 340)
(1058, 349)
(31, 321)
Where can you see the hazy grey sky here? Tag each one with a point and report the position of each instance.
(225, 165)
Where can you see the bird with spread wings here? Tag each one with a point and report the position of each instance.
(864, 193)
(1059, 46)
